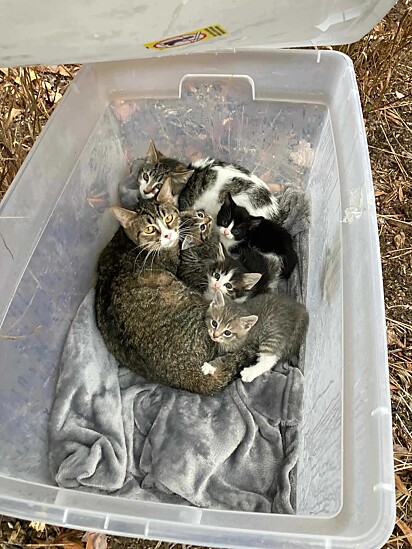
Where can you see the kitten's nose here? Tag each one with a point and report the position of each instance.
(226, 232)
(147, 191)
(217, 285)
(215, 336)
(168, 235)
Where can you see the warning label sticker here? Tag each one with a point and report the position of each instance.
(198, 35)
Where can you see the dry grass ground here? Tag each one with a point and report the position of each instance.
(383, 63)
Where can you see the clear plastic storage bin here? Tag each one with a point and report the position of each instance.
(302, 110)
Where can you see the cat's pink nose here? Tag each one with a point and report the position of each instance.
(217, 285)
(215, 336)
(226, 232)
(168, 235)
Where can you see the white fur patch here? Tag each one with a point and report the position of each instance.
(164, 241)
(264, 364)
(229, 240)
(215, 285)
(142, 185)
(203, 163)
(209, 200)
(208, 369)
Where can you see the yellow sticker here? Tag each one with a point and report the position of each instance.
(187, 38)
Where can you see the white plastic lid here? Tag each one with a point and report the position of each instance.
(78, 31)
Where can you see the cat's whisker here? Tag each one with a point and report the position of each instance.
(145, 248)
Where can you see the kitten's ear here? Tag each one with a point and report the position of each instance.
(255, 222)
(218, 300)
(180, 177)
(153, 155)
(125, 217)
(248, 321)
(188, 242)
(250, 279)
(228, 200)
(165, 194)
(220, 253)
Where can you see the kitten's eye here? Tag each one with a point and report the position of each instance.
(150, 229)
(214, 324)
(216, 275)
(146, 177)
(228, 285)
(200, 214)
(235, 231)
(168, 219)
(202, 227)
(227, 333)
(225, 224)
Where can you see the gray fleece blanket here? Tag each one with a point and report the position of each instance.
(113, 432)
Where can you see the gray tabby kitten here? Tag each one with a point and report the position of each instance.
(204, 184)
(150, 321)
(276, 324)
(200, 246)
(148, 175)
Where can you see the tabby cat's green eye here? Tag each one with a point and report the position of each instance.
(150, 229)
(168, 219)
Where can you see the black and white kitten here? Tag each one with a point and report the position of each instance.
(203, 184)
(238, 228)
(227, 275)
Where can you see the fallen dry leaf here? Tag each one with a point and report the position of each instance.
(95, 540)
(15, 533)
(12, 114)
(401, 486)
(38, 526)
(399, 240)
(406, 530)
(32, 75)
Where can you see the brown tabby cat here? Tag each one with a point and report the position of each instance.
(151, 322)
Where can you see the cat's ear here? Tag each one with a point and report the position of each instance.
(218, 300)
(180, 176)
(220, 253)
(228, 201)
(153, 155)
(250, 279)
(125, 217)
(165, 194)
(188, 242)
(254, 222)
(248, 321)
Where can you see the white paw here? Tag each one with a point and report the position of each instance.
(208, 369)
(249, 374)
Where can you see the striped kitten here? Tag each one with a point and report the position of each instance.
(200, 245)
(204, 184)
(276, 324)
(148, 175)
(229, 276)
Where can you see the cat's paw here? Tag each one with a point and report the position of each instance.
(249, 374)
(208, 369)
